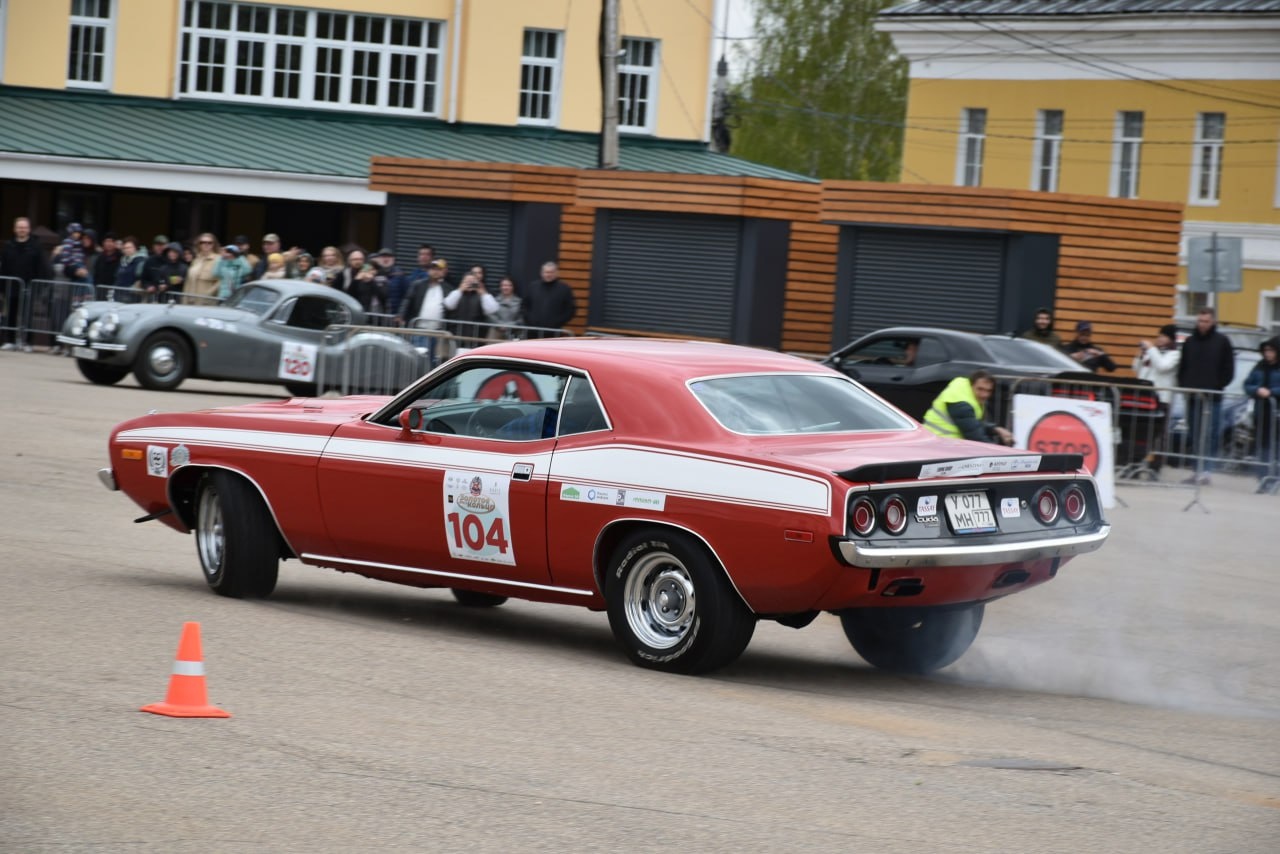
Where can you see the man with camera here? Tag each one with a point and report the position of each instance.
(470, 305)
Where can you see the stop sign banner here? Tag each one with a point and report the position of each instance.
(1056, 425)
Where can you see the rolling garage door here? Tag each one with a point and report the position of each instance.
(463, 232)
(670, 273)
(924, 278)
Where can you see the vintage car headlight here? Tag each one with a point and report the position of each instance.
(105, 327)
(78, 323)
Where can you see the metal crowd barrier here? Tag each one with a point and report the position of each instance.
(1161, 430)
(376, 359)
(11, 310)
(123, 294)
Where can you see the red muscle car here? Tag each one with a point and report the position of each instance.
(688, 489)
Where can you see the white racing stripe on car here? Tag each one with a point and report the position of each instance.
(434, 456)
(694, 476)
(222, 437)
(674, 473)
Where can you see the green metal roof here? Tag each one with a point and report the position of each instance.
(309, 142)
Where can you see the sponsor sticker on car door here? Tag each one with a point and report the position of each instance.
(476, 517)
(297, 361)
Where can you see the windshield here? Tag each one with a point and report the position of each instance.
(258, 299)
(787, 404)
(1020, 351)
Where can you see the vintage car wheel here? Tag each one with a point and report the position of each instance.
(671, 607)
(912, 640)
(301, 389)
(163, 362)
(472, 599)
(236, 538)
(100, 374)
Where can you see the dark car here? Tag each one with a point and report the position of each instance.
(911, 365)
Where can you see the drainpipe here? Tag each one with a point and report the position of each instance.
(455, 61)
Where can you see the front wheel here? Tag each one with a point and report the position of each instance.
(163, 362)
(100, 374)
(912, 640)
(236, 537)
(671, 607)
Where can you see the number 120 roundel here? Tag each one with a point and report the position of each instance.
(687, 489)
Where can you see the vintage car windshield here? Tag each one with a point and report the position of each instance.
(786, 404)
(258, 299)
(1020, 351)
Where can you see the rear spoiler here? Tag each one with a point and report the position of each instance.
(963, 467)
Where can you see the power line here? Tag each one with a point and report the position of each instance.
(957, 132)
(1114, 72)
(662, 61)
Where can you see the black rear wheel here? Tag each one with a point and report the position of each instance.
(912, 640)
(99, 374)
(671, 606)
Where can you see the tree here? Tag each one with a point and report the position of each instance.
(827, 94)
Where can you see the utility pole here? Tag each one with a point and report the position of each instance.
(609, 49)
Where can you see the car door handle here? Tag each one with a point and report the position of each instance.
(522, 471)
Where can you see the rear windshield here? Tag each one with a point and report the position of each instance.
(1020, 351)
(786, 404)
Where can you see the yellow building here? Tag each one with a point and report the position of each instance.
(1150, 99)
(456, 79)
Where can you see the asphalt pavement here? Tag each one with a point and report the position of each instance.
(1132, 704)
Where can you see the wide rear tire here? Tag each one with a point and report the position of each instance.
(163, 362)
(236, 538)
(670, 605)
(912, 640)
(100, 374)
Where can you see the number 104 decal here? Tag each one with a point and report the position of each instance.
(475, 517)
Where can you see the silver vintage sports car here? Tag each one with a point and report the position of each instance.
(267, 332)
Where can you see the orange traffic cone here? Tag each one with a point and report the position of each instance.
(187, 697)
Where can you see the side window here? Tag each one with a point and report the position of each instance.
(930, 352)
(317, 313)
(581, 412)
(889, 351)
(488, 401)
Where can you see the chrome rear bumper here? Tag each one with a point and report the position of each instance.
(986, 554)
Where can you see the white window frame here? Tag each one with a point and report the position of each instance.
(1206, 161)
(634, 77)
(972, 147)
(425, 55)
(1126, 186)
(1048, 147)
(80, 24)
(1187, 303)
(553, 66)
(1268, 307)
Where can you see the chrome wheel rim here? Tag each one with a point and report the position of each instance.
(660, 602)
(163, 360)
(209, 537)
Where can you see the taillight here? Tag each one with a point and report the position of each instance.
(862, 516)
(895, 515)
(1074, 505)
(1045, 505)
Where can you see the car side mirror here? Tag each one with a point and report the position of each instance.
(410, 421)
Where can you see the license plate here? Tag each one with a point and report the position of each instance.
(970, 513)
(84, 353)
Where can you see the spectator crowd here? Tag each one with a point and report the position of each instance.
(424, 295)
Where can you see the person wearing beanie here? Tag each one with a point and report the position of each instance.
(1263, 386)
(232, 270)
(1042, 330)
(1090, 356)
(275, 268)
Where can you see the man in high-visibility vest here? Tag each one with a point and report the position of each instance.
(957, 412)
